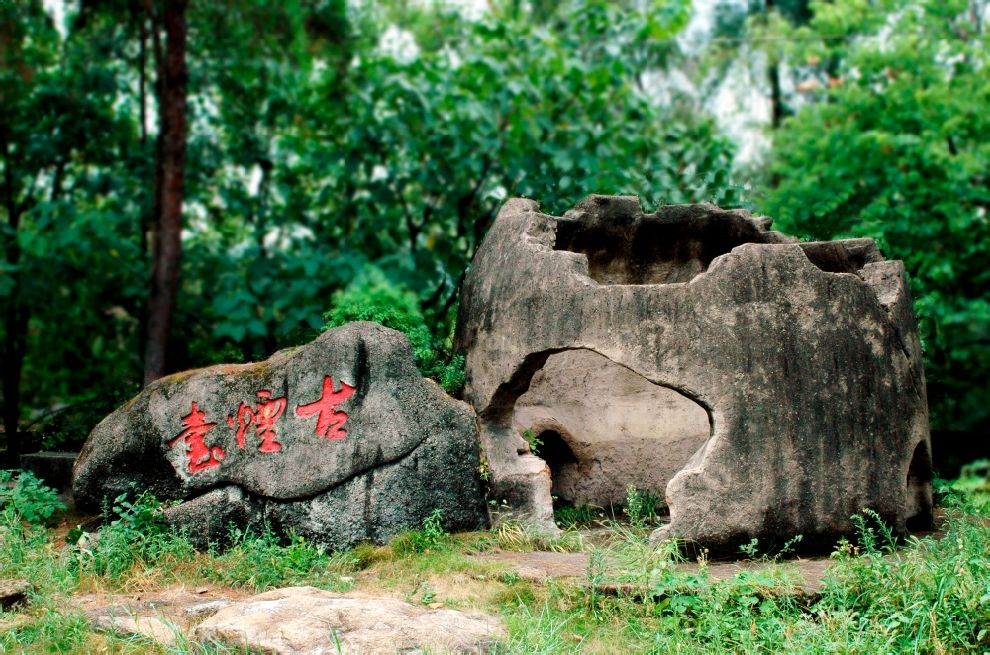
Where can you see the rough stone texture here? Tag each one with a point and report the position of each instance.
(115, 620)
(595, 449)
(406, 448)
(305, 621)
(804, 356)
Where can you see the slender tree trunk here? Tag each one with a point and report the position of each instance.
(170, 168)
(145, 220)
(15, 327)
(773, 76)
(776, 97)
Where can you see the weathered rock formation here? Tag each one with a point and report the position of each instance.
(341, 440)
(770, 388)
(601, 426)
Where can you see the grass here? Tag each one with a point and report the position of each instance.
(928, 595)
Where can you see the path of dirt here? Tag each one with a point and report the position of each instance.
(807, 574)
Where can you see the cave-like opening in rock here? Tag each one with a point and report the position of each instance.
(560, 459)
(601, 427)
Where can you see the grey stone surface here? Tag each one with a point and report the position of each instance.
(309, 621)
(601, 426)
(804, 356)
(118, 621)
(207, 609)
(376, 463)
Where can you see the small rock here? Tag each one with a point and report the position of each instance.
(306, 620)
(207, 609)
(13, 593)
(112, 620)
(435, 606)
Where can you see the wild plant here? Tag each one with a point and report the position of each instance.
(431, 537)
(23, 497)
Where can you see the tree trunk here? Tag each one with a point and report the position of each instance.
(170, 168)
(776, 98)
(15, 328)
(773, 76)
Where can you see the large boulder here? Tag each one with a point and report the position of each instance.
(341, 440)
(768, 388)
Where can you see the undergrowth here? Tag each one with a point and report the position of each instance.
(925, 595)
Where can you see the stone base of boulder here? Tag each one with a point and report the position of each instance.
(54, 468)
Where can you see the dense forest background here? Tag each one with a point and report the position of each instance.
(184, 182)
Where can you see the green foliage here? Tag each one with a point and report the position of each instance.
(57, 631)
(568, 516)
(27, 499)
(973, 486)
(374, 299)
(262, 561)
(751, 550)
(895, 147)
(925, 595)
(641, 506)
(929, 596)
(533, 440)
(381, 302)
(513, 535)
(430, 538)
(316, 153)
(138, 536)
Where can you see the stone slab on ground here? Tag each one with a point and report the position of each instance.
(306, 620)
(113, 619)
(177, 607)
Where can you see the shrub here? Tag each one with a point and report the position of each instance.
(373, 298)
(138, 535)
(28, 499)
(261, 560)
(568, 516)
(641, 506)
(431, 537)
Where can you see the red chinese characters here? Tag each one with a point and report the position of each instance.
(330, 422)
(201, 456)
(262, 419)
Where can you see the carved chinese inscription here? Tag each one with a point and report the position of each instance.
(200, 455)
(330, 423)
(262, 419)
